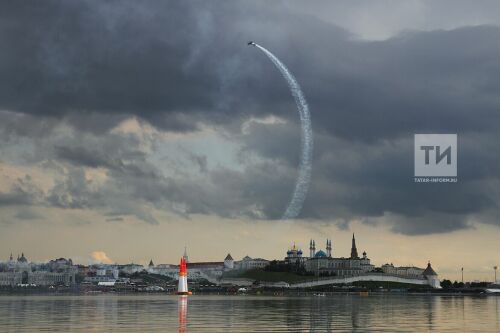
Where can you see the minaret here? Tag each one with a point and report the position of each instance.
(311, 250)
(329, 248)
(354, 251)
(183, 284)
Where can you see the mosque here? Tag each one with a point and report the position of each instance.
(323, 263)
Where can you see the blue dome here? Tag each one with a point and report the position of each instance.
(320, 254)
(300, 252)
(289, 252)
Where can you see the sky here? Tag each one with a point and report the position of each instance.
(129, 130)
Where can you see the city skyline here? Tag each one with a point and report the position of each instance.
(412, 252)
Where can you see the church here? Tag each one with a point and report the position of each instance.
(323, 263)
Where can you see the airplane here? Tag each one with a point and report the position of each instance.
(250, 43)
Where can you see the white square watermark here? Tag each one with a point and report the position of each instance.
(435, 158)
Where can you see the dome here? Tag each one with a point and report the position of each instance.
(320, 254)
(22, 259)
(299, 252)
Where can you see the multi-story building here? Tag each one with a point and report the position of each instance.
(21, 272)
(405, 271)
(248, 263)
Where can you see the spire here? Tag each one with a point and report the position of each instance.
(10, 257)
(354, 251)
(185, 256)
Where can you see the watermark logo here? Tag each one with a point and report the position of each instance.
(435, 158)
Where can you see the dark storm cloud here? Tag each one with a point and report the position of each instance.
(172, 63)
(181, 65)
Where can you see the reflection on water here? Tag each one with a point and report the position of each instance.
(182, 313)
(335, 313)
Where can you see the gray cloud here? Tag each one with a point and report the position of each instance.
(22, 192)
(89, 65)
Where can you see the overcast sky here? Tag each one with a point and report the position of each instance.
(154, 124)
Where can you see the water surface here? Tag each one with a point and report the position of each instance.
(336, 313)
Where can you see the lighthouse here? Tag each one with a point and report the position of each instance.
(183, 284)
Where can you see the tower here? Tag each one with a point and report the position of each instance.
(185, 256)
(312, 248)
(431, 276)
(354, 251)
(229, 262)
(329, 248)
(183, 285)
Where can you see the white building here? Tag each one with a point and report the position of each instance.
(248, 263)
(22, 272)
(405, 271)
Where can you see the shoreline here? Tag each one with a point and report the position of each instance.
(265, 293)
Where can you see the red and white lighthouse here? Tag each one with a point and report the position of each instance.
(183, 285)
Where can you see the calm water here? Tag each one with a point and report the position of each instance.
(337, 313)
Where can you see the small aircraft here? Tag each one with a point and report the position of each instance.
(250, 43)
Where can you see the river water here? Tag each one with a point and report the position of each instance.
(332, 313)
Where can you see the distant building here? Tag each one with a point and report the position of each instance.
(22, 272)
(431, 276)
(323, 263)
(248, 263)
(294, 256)
(229, 262)
(413, 272)
(103, 273)
(404, 271)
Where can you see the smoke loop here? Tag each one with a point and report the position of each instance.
(305, 168)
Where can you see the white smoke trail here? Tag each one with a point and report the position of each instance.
(306, 140)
